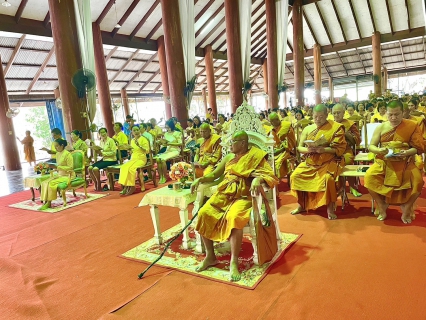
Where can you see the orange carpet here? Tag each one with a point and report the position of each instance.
(65, 266)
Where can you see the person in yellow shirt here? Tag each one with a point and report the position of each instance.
(56, 134)
(380, 115)
(120, 139)
(209, 153)
(157, 132)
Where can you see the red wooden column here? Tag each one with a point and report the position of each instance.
(235, 71)
(164, 77)
(174, 58)
(211, 85)
(102, 84)
(125, 100)
(68, 61)
(298, 54)
(265, 82)
(7, 132)
(385, 79)
(271, 40)
(377, 64)
(317, 73)
(203, 94)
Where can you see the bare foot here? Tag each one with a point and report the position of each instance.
(298, 210)
(382, 212)
(234, 274)
(130, 191)
(330, 211)
(207, 263)
(406, 213)
(376, 212)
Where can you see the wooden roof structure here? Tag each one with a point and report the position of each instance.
(342, 28)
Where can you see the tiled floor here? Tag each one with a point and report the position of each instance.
(13, 181)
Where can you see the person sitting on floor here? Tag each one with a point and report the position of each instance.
(64, 165)
(285, 141)
(313, 182)
(395, 179)
(108, 150)
(209, 153)
(227, 212)
(173, 143)
(139, 148)
(353, 138)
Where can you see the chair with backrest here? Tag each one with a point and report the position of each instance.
(79, 181)
(245, 119)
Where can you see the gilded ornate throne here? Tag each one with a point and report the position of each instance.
(248, 120)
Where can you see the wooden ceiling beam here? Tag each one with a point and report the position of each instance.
(359, 56)
(371, 16)
(289, 45)
(326, 69)
(292, 72)
(309, 71)
(356, 20)
(338, 20)
(209, 20)
(105, 11)
(144, 19)
(310, 27)
(149, 80)
(14, 54)
(217, 38)
(154, 30)
(202, 11)
(257, 46)
(145, 65)
(343, 64)
(213, 30)
(323, 23)
(402, 53)
(46, 20)
(40, 70)
(125, 17)
(20, 10)
(389, 16)
(110, 53)
(134, 54)
(215, 70)
(408, 15)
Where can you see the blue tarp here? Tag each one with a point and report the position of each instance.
(55, 116)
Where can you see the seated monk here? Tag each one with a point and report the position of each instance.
(313, 182)
(227, 212)
(395, 180)
(285, 141)
(406, 114)
(353, 138)
(210, 152)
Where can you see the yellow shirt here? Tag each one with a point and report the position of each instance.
(379, 117)
(121, 138)
(52, 148)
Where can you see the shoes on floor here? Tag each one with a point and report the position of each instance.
(105, 188)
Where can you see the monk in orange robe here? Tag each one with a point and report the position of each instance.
(227, 212)
(210, 152)
(285, 141)
(28, 143)
(406, 113)
(314, 181)
(352, 137)
(395, 180)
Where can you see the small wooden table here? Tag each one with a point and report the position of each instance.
(352, 171)
(170, 198)
(35, 182)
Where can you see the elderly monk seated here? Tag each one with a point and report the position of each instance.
(285, 141)
(313, 182)
(210, 151)
(353, 138)
(227, 212)
(394, 179)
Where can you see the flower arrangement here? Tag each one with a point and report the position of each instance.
(181, 172)
(42, 167)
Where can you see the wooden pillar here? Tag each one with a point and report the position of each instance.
(265, 82)
(235, 71)
(164, 75)
(271, 41)
(203, 94)
(174, 58)
(377, 64)
(331, 89)
(7, 132)
(68, 61)
(102, 84)
(285, 99)
(385, 80)
(298, 53)
(317, 73)
(211, 85)
(125, 101)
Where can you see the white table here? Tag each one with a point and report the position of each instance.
(352, 171)
(35, 182)
(170, 198)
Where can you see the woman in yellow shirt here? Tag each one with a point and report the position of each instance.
(380, 116)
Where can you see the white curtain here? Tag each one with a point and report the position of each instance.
(282, 22)
(187, 21)
(244, 7)
(85, 39)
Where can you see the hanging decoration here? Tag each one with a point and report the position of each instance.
(187, 21)
(282, 22)
(83, 15)
(245, 8)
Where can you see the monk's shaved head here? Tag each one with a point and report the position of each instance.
(337, 107)
(273, 116)
(274, 119)
(240, 135)
(320, 108)
(395, 104)
(405, 107)
(205, 126)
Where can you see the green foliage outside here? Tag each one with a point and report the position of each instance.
(38, 124)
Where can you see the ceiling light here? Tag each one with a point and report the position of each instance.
(6, 4)
(117, 26)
